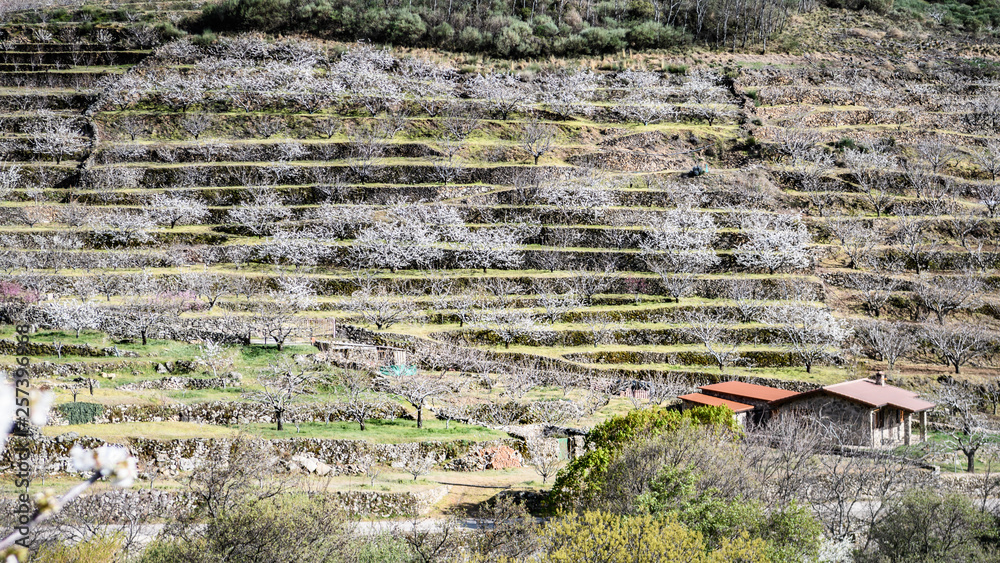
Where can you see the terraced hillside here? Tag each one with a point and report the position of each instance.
(568, 232)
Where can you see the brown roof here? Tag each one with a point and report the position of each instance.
(749, 390)
(867, 392)
(703, 399)
(870, 393)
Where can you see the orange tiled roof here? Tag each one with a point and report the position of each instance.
(702, 399)
(749, 390)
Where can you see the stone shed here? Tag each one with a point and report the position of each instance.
(750, 402)
(865, 412)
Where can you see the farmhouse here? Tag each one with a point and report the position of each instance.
(865, 412)
(750, 402)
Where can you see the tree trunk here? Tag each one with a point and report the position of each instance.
(420, 417)
(143, 333)
(277, 418)
(971, 457)
(362, 423)
(809, 367)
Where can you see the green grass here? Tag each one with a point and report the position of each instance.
(381, 431)
(378, 431)
(164, 430)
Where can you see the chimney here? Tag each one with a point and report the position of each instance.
(879, 378)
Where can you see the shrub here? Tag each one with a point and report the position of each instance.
(168, 32)
(442, 33)
(925, 525)
(613, 538)
(245, 15)
(97, 549)
(206, 38)
(263, 531)
(844, 143)
(470, 39)
(516, 40)
(604, 40)
(80, 413)
(582, 480)
(544, 26)
(406, 28)
(646, 35)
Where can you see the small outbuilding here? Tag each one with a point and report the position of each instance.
(750, 402)
(865, 412)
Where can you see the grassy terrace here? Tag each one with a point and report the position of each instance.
(605, 186)
(378, 431)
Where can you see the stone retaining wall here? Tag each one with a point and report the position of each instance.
(174, 456)
(232, 412)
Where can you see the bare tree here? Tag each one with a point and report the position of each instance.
(886, 341)
(282, 384)
(503, 93)
(715, 334)
(811, 333)
(989, 195)
(544, 457)
(216, 357)
(209, 286)
(915, 238)
(935, 153)
(196, 123)
(988, 158)
(418, 463)
(851, 492)
(132, 126)
(370, 466)
(327, 126)
(857, 239)
(958, 344)
(944, 295)
(968, 429)
(260, 211)
(746, 300)
(380, 307)
(603, 328)
(362, 403)
(666, 386)
(275, 315)
(781, 455)
(964, 222)
(507, 325)
(556, 305)
(56, 137)
(869, 168)
(537, 138)
(174, 209)
(417, 387)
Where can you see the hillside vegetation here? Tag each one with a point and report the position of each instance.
(551, 217)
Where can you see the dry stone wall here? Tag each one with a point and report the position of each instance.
(231, 412)
(175, 456)
(119, 505)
